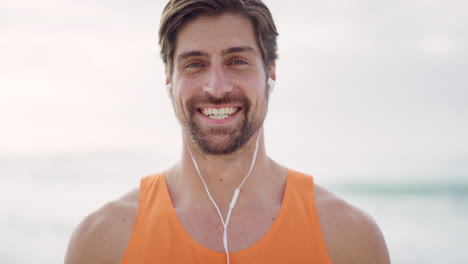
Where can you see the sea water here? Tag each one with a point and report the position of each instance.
(44, 198)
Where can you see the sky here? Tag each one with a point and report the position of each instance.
(364, 88)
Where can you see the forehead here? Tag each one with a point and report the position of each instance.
(213, 34)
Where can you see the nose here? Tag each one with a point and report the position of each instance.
(217, 83)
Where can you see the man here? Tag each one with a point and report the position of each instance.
(225, 200)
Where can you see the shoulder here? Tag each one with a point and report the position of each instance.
(351, 235)
(102, 237)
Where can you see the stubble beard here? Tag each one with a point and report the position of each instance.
(222, 140)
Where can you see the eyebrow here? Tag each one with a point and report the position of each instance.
(239, 49)
(194, 53)
(198, 53)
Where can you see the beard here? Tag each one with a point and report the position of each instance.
(222, 140)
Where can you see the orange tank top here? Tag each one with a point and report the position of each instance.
(294, 237)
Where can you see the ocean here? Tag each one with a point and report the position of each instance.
(45, 197)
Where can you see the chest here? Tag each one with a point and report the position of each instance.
(247, 225)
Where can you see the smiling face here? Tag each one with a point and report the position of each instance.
(219, 82)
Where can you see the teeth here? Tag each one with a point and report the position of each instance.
(218, 117)
(219, 113)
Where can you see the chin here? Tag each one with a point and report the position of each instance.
(218, 144)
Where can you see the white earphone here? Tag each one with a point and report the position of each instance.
(168, 89)
(225, 222)
(271, 85)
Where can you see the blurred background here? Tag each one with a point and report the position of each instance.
(370, 99)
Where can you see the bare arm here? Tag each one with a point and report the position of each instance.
(102, 237)
(351, 235)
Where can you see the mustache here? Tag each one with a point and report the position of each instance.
(231, 98)
(210, 99)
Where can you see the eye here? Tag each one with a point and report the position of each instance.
(238, 62)
(194, 65)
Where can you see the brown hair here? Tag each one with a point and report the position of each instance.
(178, 12)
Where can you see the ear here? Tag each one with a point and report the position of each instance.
(272, 71)
(168, 84)
(271, 76)
(168, 78)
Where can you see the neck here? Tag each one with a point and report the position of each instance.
(227, 168)
(222, 173)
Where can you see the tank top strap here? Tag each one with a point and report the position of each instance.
(302, 204)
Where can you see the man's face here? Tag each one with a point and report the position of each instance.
(219, 82)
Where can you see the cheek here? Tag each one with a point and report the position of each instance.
(186, 86)
(182, 91)
(251, 84)
(258, 92)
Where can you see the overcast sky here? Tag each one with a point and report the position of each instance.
(363, 87)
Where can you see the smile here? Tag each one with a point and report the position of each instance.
(219, 113)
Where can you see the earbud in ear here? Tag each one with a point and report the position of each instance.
(271, 84)
(168, 89)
